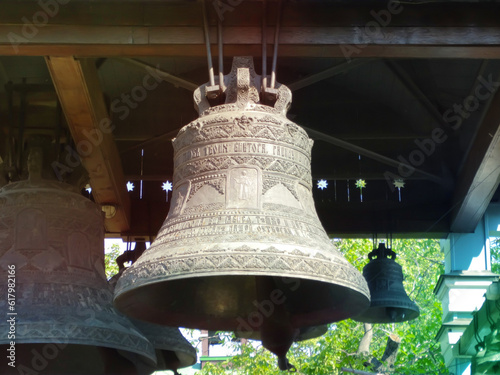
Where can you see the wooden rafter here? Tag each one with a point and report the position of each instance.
(78, 87)
(347, 42)
(480, 175)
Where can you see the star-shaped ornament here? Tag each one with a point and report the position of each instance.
(360, 184)
(322, 184)
(167, 186)
(399, 183)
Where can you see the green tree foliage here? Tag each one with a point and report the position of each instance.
(495, 255)
(419, 353)
(110, 260)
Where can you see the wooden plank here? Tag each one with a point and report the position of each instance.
(313, 51)
(314, 134)
(16, 35)
(78, 87)
(480, 175)
(160, 12)
(326, 74)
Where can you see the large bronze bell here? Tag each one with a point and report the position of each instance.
(61, 319)
(242, 247)
(389, 301)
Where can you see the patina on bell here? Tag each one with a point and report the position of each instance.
(242, 248)
(389, 301)
(173, 351)
(64, 319)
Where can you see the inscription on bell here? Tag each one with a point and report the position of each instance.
(258, 148)
(244, 187)
(240, 223)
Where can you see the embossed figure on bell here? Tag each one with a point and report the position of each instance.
(65, 321)
(242, 247)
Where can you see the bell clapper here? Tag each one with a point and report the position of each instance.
(277, 332)
(285, 365)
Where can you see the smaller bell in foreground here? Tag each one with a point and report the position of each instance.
(60, 317)
(389, 301)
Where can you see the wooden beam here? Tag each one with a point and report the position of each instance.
(145, 35)
(327, 73)
(192, 50)
(368, 153)
(347, 42)
(415, 91)
(480, 175)
(297, 13)
(174, 80)
(78, 87)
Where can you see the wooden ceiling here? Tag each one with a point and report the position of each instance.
(377, 85)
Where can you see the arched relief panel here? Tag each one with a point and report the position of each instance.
(31, 230)
(79, 251)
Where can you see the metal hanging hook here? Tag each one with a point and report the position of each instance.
(213, 91)
(207, 44)
(269, 93)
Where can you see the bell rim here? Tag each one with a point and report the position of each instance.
(92, 336)
(367, 316)
(124, 301)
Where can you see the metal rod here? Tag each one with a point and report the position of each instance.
(11, 145)
(22, 120)
(264, 45)
(58, 130)
(207, 44)
(276, 42)
(142, 172)
(221, 52)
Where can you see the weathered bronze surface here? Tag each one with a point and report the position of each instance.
(65, 321)
(389, 301)
(173, 351)
(242, 247)
(305, 333)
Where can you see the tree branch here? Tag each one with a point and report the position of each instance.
(391, 351)
(364, 344)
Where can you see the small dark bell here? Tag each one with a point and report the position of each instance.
(389, 301)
